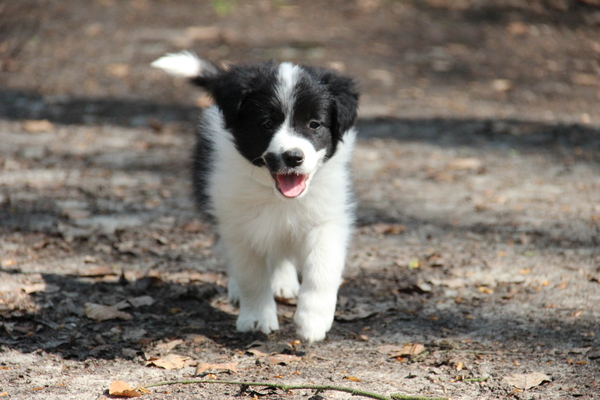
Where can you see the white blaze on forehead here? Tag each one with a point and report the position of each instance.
(285, 138)
(288, 77)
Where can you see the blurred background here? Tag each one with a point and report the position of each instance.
(523, 59)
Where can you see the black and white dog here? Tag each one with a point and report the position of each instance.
(271, 170)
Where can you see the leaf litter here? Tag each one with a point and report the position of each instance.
(526, 381)
(171, 361)
(99, 312)
(122, 389)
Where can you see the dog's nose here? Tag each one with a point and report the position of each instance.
(293, 158)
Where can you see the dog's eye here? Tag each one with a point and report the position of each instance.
(268, 124)
(314, 125)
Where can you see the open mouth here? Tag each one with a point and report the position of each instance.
(290, 185)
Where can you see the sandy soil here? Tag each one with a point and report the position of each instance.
(477, 181)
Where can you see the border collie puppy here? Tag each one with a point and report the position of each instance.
(271, 172)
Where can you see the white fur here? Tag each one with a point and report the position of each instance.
(184, 65)
(288, 76)
(263, 246)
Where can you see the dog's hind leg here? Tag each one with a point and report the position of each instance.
(284, 280)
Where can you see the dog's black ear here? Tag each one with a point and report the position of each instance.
(231, 88)
(345, 96)
(228, 91)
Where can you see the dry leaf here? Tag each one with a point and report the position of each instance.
(526, 381)
(281, 359)
(584, 79)
(122, 389)
(166, 347)
(135, 302)
(141, 301)
(517, 28)
(99, 312)
(465, 164)
(352, 378)
(229, 367)
(171, 361)
(119, 70)
(398, 351)
(40, 287)
(485, 290)
(409, 350)
(388, 348)
(359, 312)
(196, 338)
(389, 229)
(502, 85)
(38, 126)
(257, 353)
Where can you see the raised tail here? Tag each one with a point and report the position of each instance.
(187, 65)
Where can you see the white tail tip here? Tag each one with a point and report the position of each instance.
(184, 64)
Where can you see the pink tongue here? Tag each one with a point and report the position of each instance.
(291, 185)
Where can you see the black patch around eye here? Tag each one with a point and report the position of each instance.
(269, 125)
(314, 125)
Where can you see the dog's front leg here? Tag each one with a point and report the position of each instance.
(258, 311)
(321, 278)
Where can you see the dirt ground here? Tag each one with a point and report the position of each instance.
(477, 180)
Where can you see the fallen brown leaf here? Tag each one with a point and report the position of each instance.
(526, 381)
(229, 367)
(99, 312)
(171, 361)
(399, 351)
(118, 70)
(359, 312)
(465, 163)
(281, 359)
(40, 287)
(166, 347)
(389, 229)
(352, 378)
(37, 126)
(122, 389)
(257, 353)
(141, 301)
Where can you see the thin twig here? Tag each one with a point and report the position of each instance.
(285, 388)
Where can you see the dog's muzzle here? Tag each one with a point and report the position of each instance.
(290, 182)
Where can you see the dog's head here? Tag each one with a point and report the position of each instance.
(286, 118)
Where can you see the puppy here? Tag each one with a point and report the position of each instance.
(271, 172)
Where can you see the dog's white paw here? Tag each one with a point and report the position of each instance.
(285, 288)
(312, 327)
(284, 281)
(263, 320)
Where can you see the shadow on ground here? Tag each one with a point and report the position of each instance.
(180, 310)
(58, 325)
